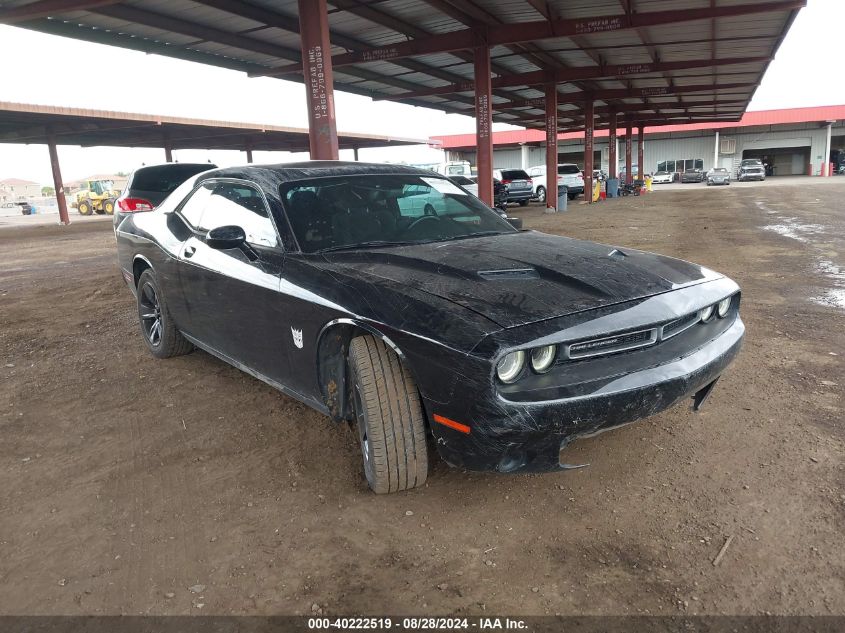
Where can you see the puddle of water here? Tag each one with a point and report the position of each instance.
(790, 227)
(834, 296)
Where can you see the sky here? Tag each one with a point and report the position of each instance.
(804, 73)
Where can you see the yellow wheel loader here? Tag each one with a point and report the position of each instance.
(96, 196)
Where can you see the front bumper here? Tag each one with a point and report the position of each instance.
(528, 436)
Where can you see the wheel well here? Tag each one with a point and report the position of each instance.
(332, 369)
(138, 268)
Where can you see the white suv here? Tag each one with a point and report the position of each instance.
(568, 174)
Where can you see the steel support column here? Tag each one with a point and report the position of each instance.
(589, 123)
(640, 148)
(716, 151)
(168, 152)
(319, 83)
(613, 161)
(355, 153)
(826, 170)
(58, 184)
(629, 141)
(249, 155)
(551, 146)
(483, 123)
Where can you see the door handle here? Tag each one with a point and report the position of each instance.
(189, 251)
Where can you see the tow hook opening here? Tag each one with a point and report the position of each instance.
(700, 396)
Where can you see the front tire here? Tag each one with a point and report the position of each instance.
(157, 326)
(541, 194)
(389, 417)
(84, 208)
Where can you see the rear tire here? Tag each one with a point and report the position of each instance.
(389, 416)
(108, 206)
(159, 331)
(541, 194)
(523, 203)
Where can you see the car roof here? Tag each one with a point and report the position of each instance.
(160, 165)
(307, 170)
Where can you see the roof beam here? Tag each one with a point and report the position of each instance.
(47, 8)
(211, 34)
(638, 107)
(576, 73)
(291, 25)
(545, 29)
(621, 93)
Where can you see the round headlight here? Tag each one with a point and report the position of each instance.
(510, 366)
(723, 306)
(706, 314)
(542, 358)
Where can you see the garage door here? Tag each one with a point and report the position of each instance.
(784, 157)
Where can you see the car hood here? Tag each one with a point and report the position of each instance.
(524, 277)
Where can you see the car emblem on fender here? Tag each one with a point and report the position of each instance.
(297, 337)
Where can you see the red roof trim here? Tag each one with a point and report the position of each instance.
(749, 119)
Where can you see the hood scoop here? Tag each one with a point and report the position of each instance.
(509, 274)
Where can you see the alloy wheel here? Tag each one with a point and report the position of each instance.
(151, 314)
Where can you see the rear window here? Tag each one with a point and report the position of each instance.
(568, 169)
(514, 174)
(165, 178)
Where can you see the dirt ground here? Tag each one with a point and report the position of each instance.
(137, 486)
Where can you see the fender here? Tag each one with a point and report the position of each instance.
(331, 367)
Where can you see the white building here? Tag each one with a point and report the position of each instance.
(15, 189)
(791, 142)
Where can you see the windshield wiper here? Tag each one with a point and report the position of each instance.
(372, 244)
(469, 235)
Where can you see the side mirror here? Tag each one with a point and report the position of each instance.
(226, 237)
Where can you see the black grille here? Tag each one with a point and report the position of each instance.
(612, 344)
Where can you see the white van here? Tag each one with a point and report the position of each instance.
(455, 168)
(568, 174)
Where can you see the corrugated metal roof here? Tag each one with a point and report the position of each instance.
(260, 36)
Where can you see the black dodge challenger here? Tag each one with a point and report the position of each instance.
(389, 297)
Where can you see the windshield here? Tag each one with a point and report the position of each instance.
(165, 178)
(99, 187)
(367, 211)
(568, 169)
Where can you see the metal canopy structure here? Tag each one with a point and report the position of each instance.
(36, 124)
(512, 61)
(26, 123)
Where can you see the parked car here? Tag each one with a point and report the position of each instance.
(467, 183)
(718, 176)
(662, 178)
(148, 186)
(692, 175)
(498, 346)
(751, 169)
(520, 186)
(26, 208)
(568, 174)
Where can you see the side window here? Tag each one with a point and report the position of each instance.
(239, 205)
(193, 208)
